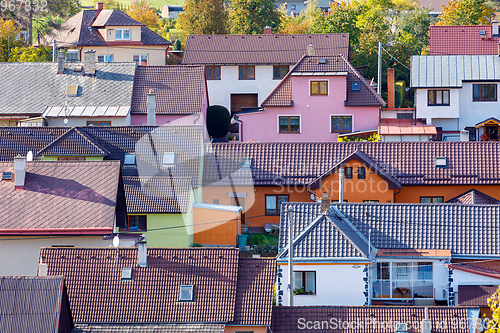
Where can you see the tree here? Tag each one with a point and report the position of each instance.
(8, 38)
(141, 11)
(251, 16)
(304, 22)
(465, 12)
(218, 121)
(110, 4)
(203, 17)
(30, 54)
(341, 19)
(494, 304)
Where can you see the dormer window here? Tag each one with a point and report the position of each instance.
(246, 163)
(440, 162)
(129, 159)
(127, 274)
(186, 293)
(122, 34)
(168, 158)
(6, 175)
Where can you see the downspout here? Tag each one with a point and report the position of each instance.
(394, 201)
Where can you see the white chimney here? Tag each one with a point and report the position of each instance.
(142, 255)
(494, 29)
(19, 172)
(60, 62)
(426, 323)
(42, 267)
(89, 62)
(464, 135)
(151, 106)
(310, 50)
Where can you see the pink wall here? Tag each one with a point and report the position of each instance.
(315, 114)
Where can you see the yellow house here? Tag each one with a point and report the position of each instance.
(115, 36)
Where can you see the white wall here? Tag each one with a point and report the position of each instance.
(465, 278)
(20, 255)
(444, 112)
(335, 285)
(77, 121)
(219, 91)
(399, 138)
(471, 112)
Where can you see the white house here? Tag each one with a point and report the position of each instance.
(354, 254)
(242, 70)
(456, 92)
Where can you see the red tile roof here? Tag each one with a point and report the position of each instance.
(459, 39)
(97, 294)
(260, 49)
(474, 197)
(405, 127)
(475, 295)
(488, 268)
(113, 17)
(287, 319)
(60, 197)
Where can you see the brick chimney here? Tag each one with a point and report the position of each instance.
(89, 62)
(390, 88)
(19, 172)
(60, 62)
(267, 30)
(310, 50)
(99, 6)
(151, 107)
(325, 203)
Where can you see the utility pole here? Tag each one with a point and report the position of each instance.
(54, 51)
(341, 185)
(379, 78)
(290, 256)
(370, 266)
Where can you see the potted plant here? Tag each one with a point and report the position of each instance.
(484, 137)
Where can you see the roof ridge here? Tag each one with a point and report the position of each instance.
(56, 139)
(92, 141)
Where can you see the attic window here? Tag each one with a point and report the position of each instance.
(129, 159)
(246, 163)
(441, 162)
(72, 90)
(168, 158)
(356, 86)
(482, 32)
(322, 60)
(186, 293)
(6, 175)
(127, 274)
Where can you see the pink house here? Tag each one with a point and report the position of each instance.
(180, 95)
(320, 98)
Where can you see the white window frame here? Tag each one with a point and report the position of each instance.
(169, 158)
(341, 115)
(122, 34)
(288, 115)
(139, 61)
(127, 157)
(188, 287)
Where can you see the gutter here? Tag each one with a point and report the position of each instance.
(51, 232)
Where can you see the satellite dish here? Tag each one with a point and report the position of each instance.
(65, 120)
(29, 156)
(116, 241)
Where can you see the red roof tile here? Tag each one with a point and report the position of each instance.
(474, 197)
(405, 127)
(459, 39)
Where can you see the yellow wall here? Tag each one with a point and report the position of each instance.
(135, 33)
(8, 122)
(156, 54)
(254, 329)
(87, 158)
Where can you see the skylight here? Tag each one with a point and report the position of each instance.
(246, 163)
(356, 86)
(186, 293)
(6, 175)
(127, 273)
(129, 159)
(72, 90)
(440, 162)
(168, 158)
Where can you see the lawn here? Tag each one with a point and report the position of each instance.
(155, 3)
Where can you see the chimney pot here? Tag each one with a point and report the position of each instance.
(267, 30)
(60, 62)
(99, 6)
(391, 99)
(325, 203)
(89, 62)
(310, 50)
(151, 107)
(19, 172)
(142, 255)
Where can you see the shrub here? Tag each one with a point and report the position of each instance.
(218, 121)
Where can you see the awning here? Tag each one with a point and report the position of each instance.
(489, 121)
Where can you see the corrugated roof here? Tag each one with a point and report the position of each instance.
(403, 226)
(450, 71)
(260, 49)
(462, 39)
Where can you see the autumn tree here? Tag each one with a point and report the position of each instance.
(8, 38)
(142, 11)
(251, 16)
(465, 12)
(30, 54)
(206, 17)
(303, 23)
(110, 4)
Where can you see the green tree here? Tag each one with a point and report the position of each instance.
(142, 11)
(251, 16)
(30, 54)
(218, 121)
(110, 4)
(494, 304)
(465, 12)
(304, 22)
(342, 18)
(8, 38)
(207, 17)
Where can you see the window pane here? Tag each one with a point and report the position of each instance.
(430, 96)
(310, 283)
(439, 97)
(323, 88)
(336, 126)
(437, 200)
(208, 72)
(493, 92)
(243, 72)
(277, 72)
(361, 173)
(216, 72)
(126, 34)
(314, 88)
(118, 34)
(425, 200)
(132, 222)
(297, 280)
(401, 271)
(484, 92)
(294, 124)
(92, 123)
(142, 222)
(100, 58)
(251, 72)
(383, 271)
(271, 204)
(477, 92)
(283, 124)
(346, 124)
(424, 271)
(446, 97)
(348, 172)
(284, 71)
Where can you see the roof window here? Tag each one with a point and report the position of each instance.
(322, 60)
(72, 90)
(127, 274)
(441, 162)
(186, 293)
(482, 32)
(6, 175)
(246, 163)
(168, 158)
(356, 86)
(129, 159)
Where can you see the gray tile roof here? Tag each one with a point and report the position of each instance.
(64, 197)
(260, 49)
(410, 163)
(178, 89)
(73, 142)
(157, 194)
(462, 229)
(23, 95)
(449, 71)
(159, 328)
(33, 304)
(332, 65)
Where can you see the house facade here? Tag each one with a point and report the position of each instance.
(320, 98)
(242, 70)
(383, 254)
(457, 92)
(112, 34)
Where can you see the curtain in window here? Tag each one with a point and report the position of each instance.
(283, 124)
(310, 283)
(297, 280)
(270, 204)
(294, 124)
(336, 124)
(347, 124)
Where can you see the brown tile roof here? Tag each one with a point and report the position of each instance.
(474, 197)
(254, 292)
(411, 163)
(405, 127)
(311, 66)
(459, 39)
(286, 319)
(159, 328)
(157, 194)
(97, 294)
(178, 89)
(476, 268)
(475, 295)
(260, 49)
(59, 197)
(34, 304)
(82, 29)
(73, 142)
